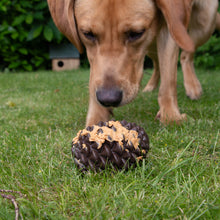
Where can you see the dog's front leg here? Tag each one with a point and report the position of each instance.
(155, 78)
(96, 112)
(168, 56)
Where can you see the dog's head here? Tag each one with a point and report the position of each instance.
(116, 35)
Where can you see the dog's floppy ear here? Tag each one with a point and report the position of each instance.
(177, 15)
(62, 12)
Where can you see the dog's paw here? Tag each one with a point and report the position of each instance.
(151, 85)
(170, 118)
(193, 88)
(194, 93)
(149, 88)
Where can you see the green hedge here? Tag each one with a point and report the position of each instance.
(208, 55)
(26, 29)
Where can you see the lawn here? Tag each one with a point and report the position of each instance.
(41, 112)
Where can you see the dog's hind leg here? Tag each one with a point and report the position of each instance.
(202, 25)
(217, 22)
(191, 83)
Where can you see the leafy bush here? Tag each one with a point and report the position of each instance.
(208, 55)
(25, 30)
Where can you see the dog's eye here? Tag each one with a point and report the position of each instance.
(90, 36)
(134, 35)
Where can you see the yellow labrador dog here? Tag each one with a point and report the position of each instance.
(117, 35)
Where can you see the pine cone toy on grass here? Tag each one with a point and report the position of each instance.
(120, 144)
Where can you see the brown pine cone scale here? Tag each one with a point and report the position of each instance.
(120, 144)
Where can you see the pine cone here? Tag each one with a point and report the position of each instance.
(120, 144)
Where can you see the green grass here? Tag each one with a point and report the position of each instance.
(41, 112)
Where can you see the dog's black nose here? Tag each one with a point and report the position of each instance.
(109, 97)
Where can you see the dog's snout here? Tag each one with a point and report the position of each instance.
(109, 97)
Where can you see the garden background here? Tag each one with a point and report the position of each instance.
(27, 30)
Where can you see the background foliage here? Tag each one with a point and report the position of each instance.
(26, 29)
(208, 55)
